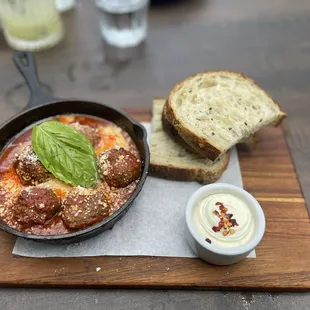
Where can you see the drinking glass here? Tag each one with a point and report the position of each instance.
(123, 23)
(31, 24)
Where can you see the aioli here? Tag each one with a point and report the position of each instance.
(204, 219)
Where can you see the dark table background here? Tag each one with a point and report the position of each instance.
(268, 40)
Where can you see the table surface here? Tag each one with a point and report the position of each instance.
(268, 40)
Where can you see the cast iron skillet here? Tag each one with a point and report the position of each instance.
(42, 105)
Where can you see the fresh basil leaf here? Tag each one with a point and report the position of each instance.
(66, 153)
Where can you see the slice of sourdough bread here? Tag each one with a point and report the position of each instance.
(172, 132)
(171, 161)
(215, 110)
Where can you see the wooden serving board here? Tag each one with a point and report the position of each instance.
(283, 256)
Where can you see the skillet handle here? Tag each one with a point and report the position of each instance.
(25, 63)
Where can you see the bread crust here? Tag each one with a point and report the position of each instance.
(188, 175)
(199, 144)
(172, 132)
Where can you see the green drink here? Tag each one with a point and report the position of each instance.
(31, 24)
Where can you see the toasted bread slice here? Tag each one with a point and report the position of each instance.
(250, 141)
(170, 160)
(215, 110)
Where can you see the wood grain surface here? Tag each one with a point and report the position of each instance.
(282, 261)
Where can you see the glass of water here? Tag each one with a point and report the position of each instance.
(123, 23)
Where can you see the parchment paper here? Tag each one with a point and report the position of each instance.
(154, 225)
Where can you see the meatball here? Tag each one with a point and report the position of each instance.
(35, 205)
(29, 168)
(119, 167)
(84, 207)
(89, 132)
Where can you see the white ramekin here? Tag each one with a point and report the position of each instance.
(218, 255)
